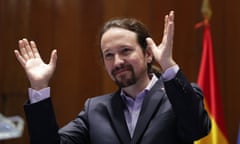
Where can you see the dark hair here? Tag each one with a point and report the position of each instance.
(130, 24)
(133, 25)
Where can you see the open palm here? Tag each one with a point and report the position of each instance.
(38, 72)
(163, 52)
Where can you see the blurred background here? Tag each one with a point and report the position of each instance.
(72, 26)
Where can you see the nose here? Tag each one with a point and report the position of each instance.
(118, 60)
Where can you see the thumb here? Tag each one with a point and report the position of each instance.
(150, 43)
(53, 59)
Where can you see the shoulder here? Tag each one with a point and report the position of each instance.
(103, 99)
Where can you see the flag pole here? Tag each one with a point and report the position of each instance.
(206, 13)
(208, 82)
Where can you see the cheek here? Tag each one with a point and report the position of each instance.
(138, 60)
(108, 68)
(139, 63)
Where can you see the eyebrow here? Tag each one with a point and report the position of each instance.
(105, 50)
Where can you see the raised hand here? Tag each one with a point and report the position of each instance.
(37, 71)
(163, 52)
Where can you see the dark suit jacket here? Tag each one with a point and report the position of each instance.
(172, 113)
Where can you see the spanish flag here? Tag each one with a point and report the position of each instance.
(207, 80)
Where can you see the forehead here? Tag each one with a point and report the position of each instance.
(117, 31)
(117, 35)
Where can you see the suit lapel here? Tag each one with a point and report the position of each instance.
(115, 110)
(149, 106)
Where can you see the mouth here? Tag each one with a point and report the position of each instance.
(120, 71)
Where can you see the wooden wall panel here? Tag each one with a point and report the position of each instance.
(78, 58)
(230, 66)
(72, 28)
(67, 41)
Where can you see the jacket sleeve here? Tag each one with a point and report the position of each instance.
(76, 131)
(43, 128)
(42, 125)
(187, 102)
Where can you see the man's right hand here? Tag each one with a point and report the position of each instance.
(37, 71)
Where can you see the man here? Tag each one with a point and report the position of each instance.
(147, 108)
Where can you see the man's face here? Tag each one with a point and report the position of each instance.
(123, 57)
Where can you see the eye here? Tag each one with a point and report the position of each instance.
(126, 51)
(108, 56)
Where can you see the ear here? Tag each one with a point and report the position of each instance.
(149, 55)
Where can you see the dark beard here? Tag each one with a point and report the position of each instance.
(123, 80)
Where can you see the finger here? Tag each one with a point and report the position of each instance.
(165, 29)
(34, 49)
(20, 58)
(165, 24)
(151, 44)
(169, 38)
(170, 28)
(28, 48)
(171, 17)
(154, 49)
(23, 52)
(53, 59)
